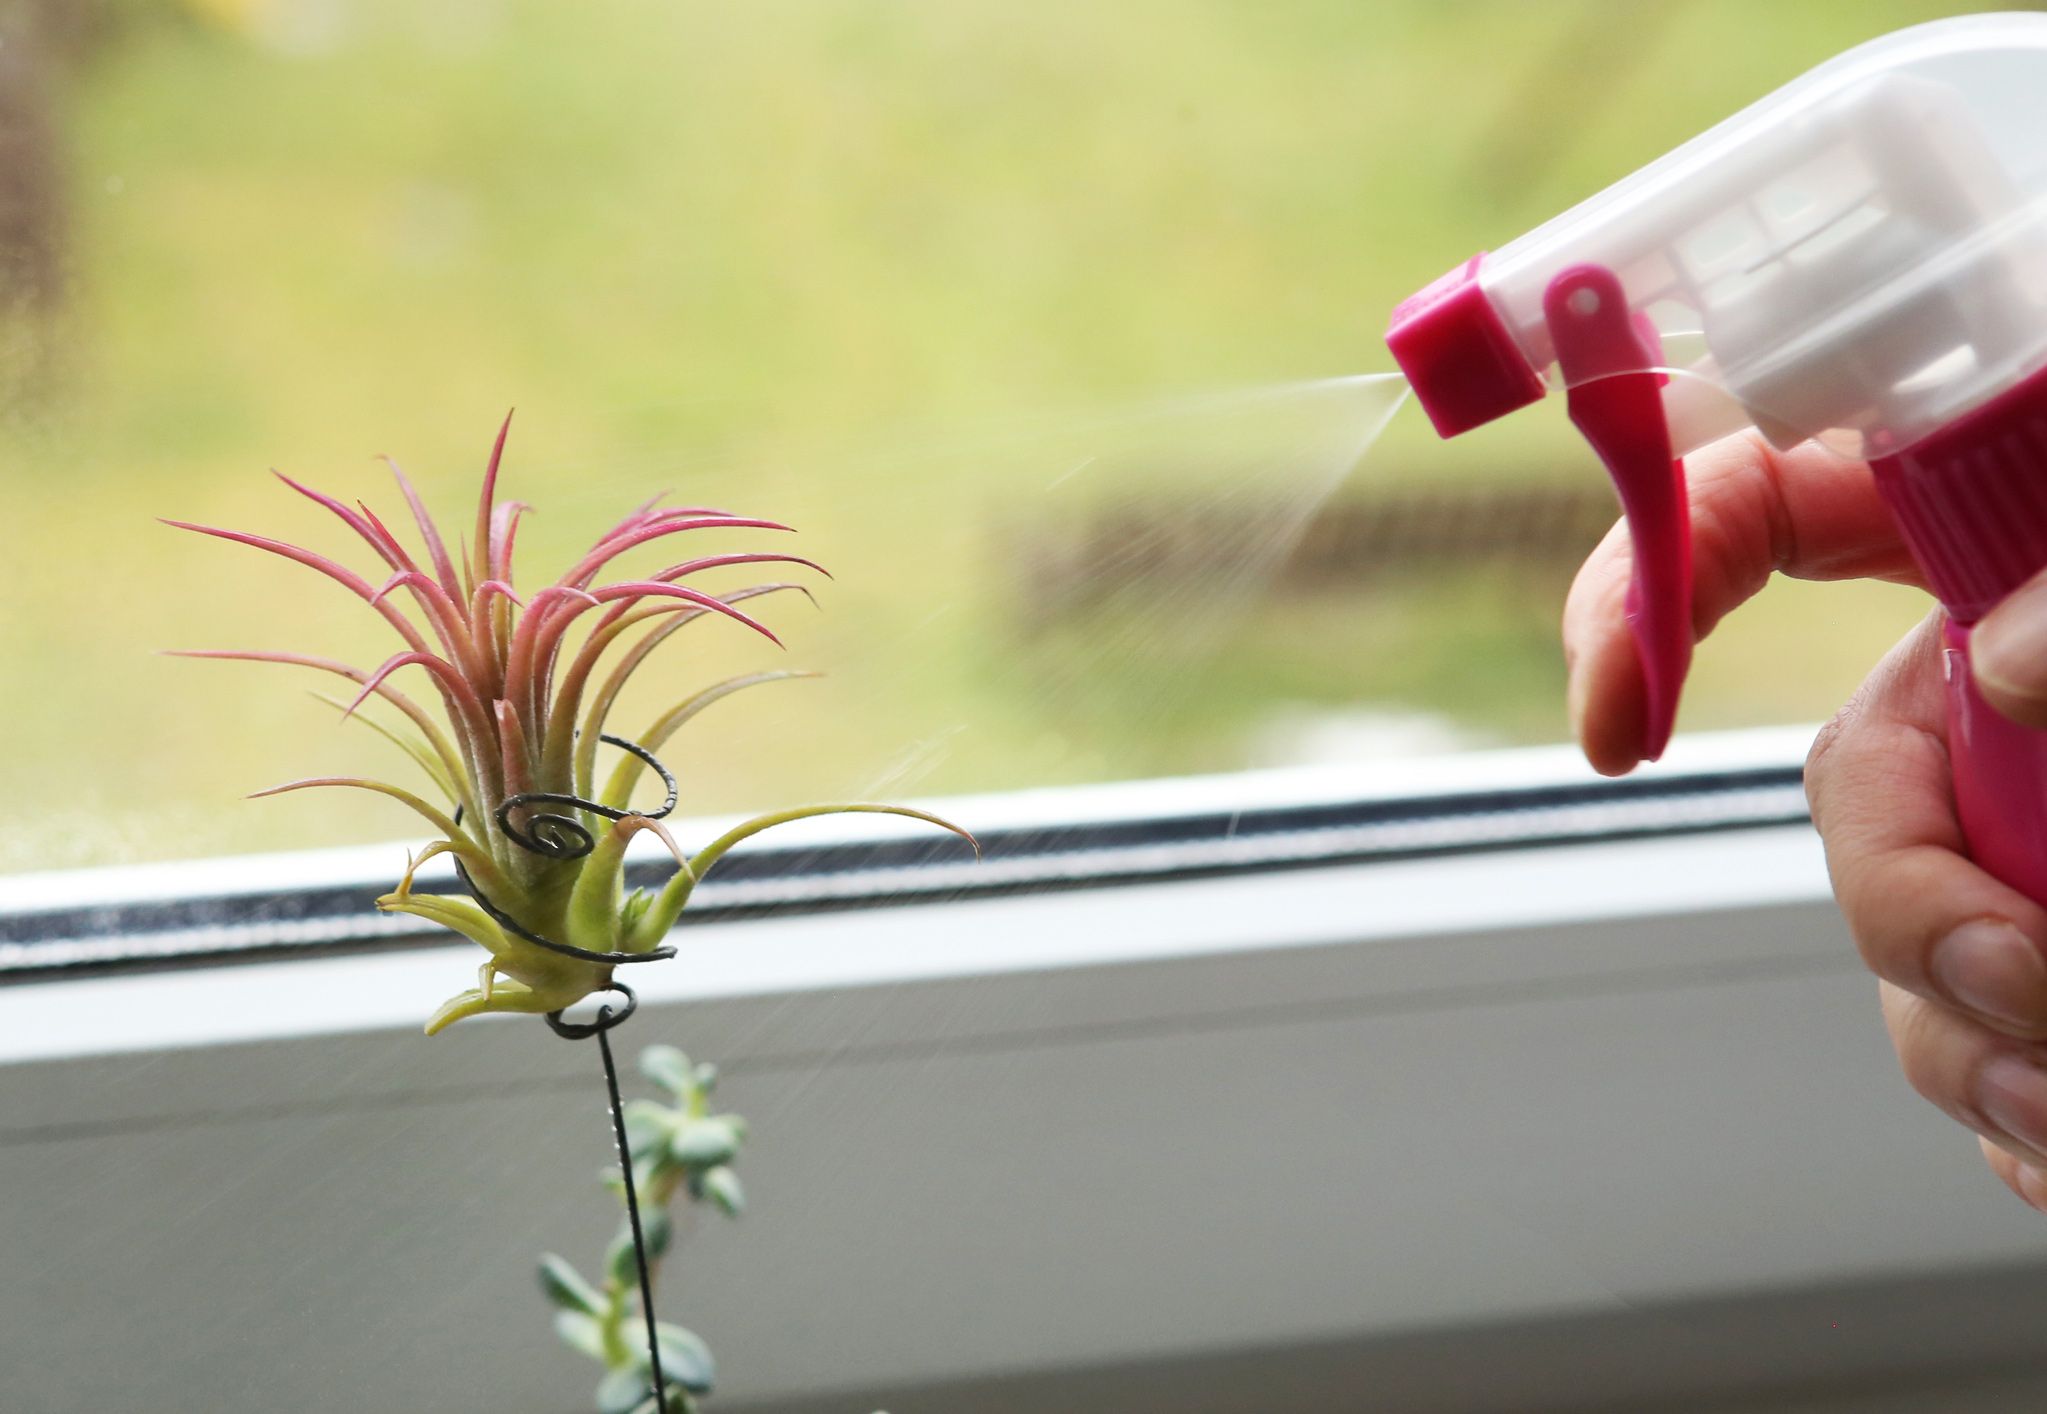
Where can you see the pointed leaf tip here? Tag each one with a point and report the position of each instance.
(565, 1287)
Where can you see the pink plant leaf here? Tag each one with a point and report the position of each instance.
(614, 683)
(606, 551)
(504, 530)
(633, 517)
(547, 640)
(417, 714)
(713, 562)
(401, 580)
(362, 524)
(448, 622)
(636, 589)
(518, 762)
(339, 573)
(437, 550)
(454, 687)
(498, 587)
(484, 565)
(394, 551)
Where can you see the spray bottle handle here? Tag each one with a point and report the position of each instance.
(1608, 355)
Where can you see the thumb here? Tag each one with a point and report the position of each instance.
(2008, 651)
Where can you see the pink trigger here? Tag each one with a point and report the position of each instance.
(1607, 355)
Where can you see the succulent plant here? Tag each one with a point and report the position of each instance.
(526, 684)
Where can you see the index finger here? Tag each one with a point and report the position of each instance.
(1755, 511)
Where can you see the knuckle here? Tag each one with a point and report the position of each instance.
(1824, 745)
(1928, 1066)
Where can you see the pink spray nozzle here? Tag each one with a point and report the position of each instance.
(1462, 363)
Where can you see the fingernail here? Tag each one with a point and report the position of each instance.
(2013, 1095)
(2009, 646)
(1990, 967)
(2033, 1186)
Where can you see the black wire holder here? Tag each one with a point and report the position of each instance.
(601, 1029)
(558, 836)
(554, 835)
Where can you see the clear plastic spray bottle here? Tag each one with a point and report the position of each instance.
(1859, 258)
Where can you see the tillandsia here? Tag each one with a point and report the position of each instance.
(679, 1149)
(526, 684)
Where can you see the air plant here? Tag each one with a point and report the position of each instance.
(526, 684)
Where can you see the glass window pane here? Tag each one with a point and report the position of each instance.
(1040, 323)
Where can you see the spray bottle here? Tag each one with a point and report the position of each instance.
(1859, 258)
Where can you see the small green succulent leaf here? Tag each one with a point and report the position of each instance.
(668, 1068)
(644, 1174)
(722, 1186)
(649, 1127)
(679, 1402)
(704, 1143)
(707, 1078)
(659, 1230)
(685, 1359)
(580, 1333)
(623, 1391)
(619, 1264)
(566, 1288)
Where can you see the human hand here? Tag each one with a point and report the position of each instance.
(1959, 956)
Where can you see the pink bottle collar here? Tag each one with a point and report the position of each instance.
(1970, 500)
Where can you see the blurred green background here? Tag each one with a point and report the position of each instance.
(887, 271)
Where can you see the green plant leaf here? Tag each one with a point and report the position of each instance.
(707, 1078)
(721, 1185)
(649, 1127)
(418, 750)
(581, 1333)
(704, 1143)
(659, 1230)
(644, 1174)
(592, 915)
(619, 1265)
(623, 1390)
(685, 1359)
(620, 787)
(566, 1288)
(679, 1402)
(674, 896)
(668, 1068)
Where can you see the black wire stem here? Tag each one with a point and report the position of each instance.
(553, 835)
(601, 1029)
